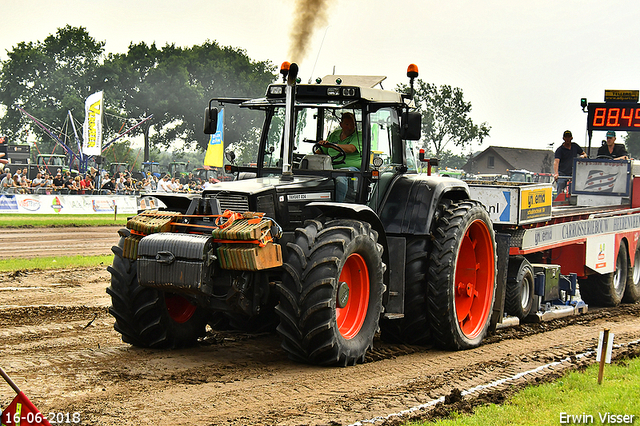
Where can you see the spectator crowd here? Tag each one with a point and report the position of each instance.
(96, 183)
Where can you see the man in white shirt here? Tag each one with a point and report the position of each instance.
(7, 181)
(175, 185)
(164, 185)
(38, 181)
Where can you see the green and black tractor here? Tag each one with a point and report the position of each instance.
(325, 254)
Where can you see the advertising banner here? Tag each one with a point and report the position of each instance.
(92, 128)
(579, 230)
(535, 203)
(67, 204)
(601, 177)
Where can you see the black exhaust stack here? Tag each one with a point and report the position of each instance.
(289, 123)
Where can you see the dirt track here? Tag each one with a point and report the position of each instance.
(35, 242)
(58, 344)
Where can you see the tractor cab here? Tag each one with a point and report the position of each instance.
(51, 162)
(179, 169)
(116, 168)
(302, 138)
(151, 168)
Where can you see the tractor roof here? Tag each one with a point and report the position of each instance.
(336, 91)
(370, 81)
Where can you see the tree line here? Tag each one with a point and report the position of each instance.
(174, 84)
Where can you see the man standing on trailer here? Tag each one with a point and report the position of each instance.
(563, 162)
(611, 149)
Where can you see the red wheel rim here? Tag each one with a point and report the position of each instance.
(180, 309)
(352, 316)
(474, 280)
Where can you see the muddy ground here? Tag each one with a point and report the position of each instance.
(58, 344)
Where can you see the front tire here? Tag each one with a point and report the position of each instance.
(331, 293)
(462, 275)
(146, 317)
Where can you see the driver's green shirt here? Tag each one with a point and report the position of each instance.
(353, 159)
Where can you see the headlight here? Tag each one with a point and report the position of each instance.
(276, 90)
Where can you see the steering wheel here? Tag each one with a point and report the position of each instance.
(336, 159)
(604, 157)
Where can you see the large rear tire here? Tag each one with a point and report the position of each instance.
(331, 293)
(146, 317)
(520, 288)
(632, 291)
(462, 271)
(607, 289)
(414, 328)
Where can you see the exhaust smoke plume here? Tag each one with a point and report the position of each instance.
(309, 15)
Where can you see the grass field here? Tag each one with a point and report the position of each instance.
(576, 398)
(55, 262)
(51, 220)
(45, 221)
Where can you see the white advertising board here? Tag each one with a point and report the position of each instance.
(500, 202)
(600, 254)
(601, 177)
(578, 230)
(67, 204)
(514, 204)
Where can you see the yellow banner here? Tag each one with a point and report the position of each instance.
(215, 150)
(535, 203)
(92, 128)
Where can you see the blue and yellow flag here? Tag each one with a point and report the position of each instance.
(215, 151)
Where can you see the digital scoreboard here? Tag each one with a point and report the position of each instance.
(614, 116)
(620, 111)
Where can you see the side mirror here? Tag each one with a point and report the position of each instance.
(411, 126)
(210, 120)
(230, 156)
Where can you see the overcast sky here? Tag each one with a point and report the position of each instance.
(523, 65)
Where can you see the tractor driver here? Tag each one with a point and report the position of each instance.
(349, 139)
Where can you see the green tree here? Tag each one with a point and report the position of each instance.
(632, 141)
(175, 85)
(48, 79)
(122, 152)
(445, 117)
(451, 160)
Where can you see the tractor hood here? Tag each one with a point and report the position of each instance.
(258, 185)
(281, 199)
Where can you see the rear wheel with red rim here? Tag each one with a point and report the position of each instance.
(632, 290)
(462, 273)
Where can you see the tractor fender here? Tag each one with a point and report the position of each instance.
(349, 211)
(179, 202)
(411, 202)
